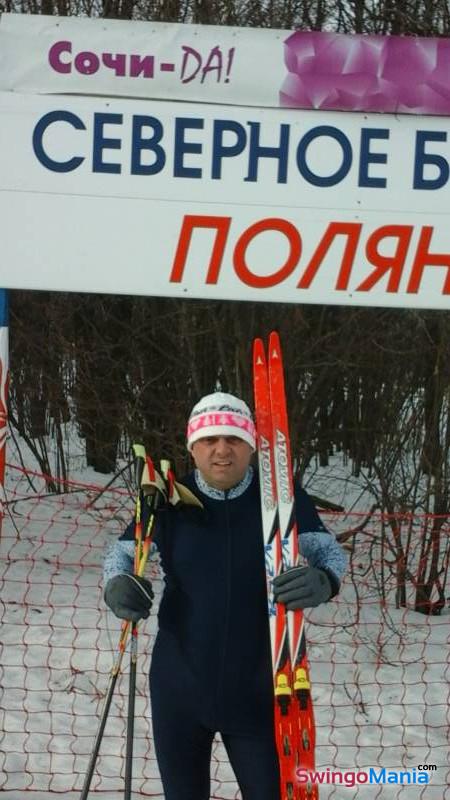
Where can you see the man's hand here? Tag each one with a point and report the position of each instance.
(302, 587)
(129, 597)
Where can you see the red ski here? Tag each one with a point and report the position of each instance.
(294, 719)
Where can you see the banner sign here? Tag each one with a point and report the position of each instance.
(176, 199)
(224, 65)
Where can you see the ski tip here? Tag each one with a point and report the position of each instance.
(258, 352)
(274, 345)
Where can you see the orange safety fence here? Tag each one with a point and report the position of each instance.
(380, 668)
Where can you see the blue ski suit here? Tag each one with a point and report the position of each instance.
(211, 663)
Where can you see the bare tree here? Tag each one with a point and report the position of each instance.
(371, 384)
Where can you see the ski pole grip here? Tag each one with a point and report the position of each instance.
(165, 467)
(156, 498)
(139, 464)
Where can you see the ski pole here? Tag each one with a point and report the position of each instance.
(131, 714)
(142, 460)
(160, 490)
(125, 629)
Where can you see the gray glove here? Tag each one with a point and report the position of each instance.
(302, 587)
(129, 597)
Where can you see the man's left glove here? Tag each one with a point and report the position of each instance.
(302, 587)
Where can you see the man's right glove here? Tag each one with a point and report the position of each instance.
(129, 596)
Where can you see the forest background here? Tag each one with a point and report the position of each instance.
(369, 385)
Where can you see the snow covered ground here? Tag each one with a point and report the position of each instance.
(381, 674)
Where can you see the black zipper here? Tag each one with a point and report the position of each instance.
(222, 666)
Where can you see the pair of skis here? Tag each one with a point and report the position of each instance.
(294, 718)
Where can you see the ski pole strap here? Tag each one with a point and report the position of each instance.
(178, 494)
(171, 492)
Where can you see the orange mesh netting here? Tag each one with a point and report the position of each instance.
(380, 669)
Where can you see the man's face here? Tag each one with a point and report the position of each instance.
(222, 460)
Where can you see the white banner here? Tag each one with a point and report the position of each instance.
(158, 198)
(199, 63)
(224, 65)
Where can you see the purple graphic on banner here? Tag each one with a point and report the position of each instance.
(366, 73)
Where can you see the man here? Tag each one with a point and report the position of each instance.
(211, 664)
